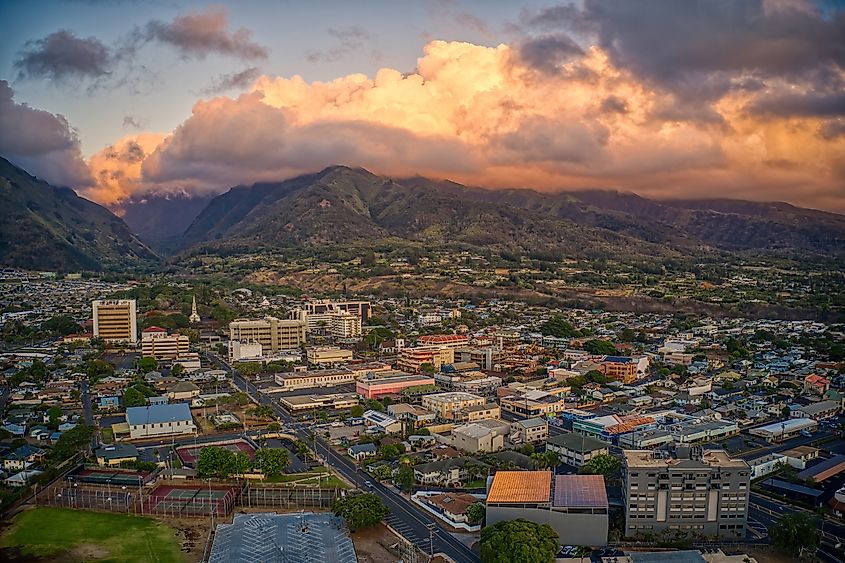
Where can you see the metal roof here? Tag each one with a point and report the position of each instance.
(156, 414)
(580, 491)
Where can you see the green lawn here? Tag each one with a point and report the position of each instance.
(82, 535)
(326, 480)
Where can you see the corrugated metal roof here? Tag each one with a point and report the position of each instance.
(521, 486)
(580, 491)
(156, 414)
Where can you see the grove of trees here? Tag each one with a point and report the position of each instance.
(518, 541)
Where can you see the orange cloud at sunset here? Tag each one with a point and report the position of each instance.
(484, 116)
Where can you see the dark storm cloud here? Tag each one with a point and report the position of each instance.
(614, 104)
(203, 33)
(548, 52)
(832, 129)
(677, 45)
(63, 55)
(41, 142)
(800, 105)
(233, 80)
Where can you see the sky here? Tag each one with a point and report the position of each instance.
(693, 99)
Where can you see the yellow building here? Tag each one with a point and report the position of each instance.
(328, 355)
(272, 333)
(156, 343)
(453, 406)
(411, 359)
(115, 320)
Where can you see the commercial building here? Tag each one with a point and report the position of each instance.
(155, 342)
(412, 359)
(361, 309)
(533, 404)
(381, 421)
(690, 491)
(452, 406)
(780, 431)
(575, 506)
(244, 351)
(273, 334)
(625, 369)
(328, 355)
(317, 378)
(443, 340)
(114, 454)
(159, 420)
(345, 325)
(487, 357)
(378, 384)
(334, 401)
(817, 411)
(612, 427)
(576, 449)
(115, 320)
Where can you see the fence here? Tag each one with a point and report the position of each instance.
(286, 497)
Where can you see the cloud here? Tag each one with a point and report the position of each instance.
(806, 104)
(234, 80)
(131, 122)
(485, 116)
(348, 40)
(63, 55)
(42, 143)
(202, 33)
(549, 52)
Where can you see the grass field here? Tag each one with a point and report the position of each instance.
(77, 535)
(325, 479)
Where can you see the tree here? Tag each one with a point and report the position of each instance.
(785, 412)
(97, 369)
(216, 462)
(602, 464)
(600, 347)
(55, 415)
(476, 512)
(71, 442)
(391, 450)
(796, 534)
(559, 327)
(404, 477)
(518, 541)
(360, 511)
(133, 398)
(242, 463)
(357, 411)
(427, 367)
(147, 364)
(61, 325)
(177, 370)
(272, 461)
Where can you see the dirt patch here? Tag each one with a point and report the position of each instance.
(767, 555)
(192, 534)
(373, 545)
(88, 551)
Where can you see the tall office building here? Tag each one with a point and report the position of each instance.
(690, 490)
(115, 320)
(272, 333)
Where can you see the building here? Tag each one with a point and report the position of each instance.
(115, 320)
(824, 470)
(115, 454)
(529, 431)
(156, 343)
(533, 404)
(690, 490)
(612, 428)
(443, 340)
(244, 351)
(159, 420)
(487, 357)
(328, 355)
(316, 378)
(334, 401)
(452, 406)
(448, 472)
(194, 319)
(816, 384)
(817, 411)
(575, 506)
(483, 436)
(183, 391)
(412, 359)
(576, 449)
(381, 421)
(625, 369)
(359, 452)
(345, 325)
(780, 431)
(361, 309)
(273, 334)
(378, 384)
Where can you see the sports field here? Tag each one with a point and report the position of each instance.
(77, 535)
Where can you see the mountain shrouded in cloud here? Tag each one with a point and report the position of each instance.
(488, 116)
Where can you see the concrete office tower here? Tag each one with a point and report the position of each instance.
(115, 320)
(273, 334)
(689, 490)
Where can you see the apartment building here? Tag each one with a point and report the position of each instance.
(115, 320)
(529, 431)
(625, 369)
(689, 490)
(345, 325)
(533, 404)
(272, 333)
(443, 340)
(412, 359)
(378, 384)
(576, 449)
(483, 436)
(328, 355)
(157, 343)
(452, 406)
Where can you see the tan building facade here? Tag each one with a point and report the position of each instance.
(272, 333)
(115, 320)
(412, 359)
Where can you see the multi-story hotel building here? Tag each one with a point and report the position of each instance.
(412, 359)
(273, 334)
(115, 320)
(155, 342)
(690, 490)
(345, 325)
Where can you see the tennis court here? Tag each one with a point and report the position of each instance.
(191, 500)
(189, 454)
(110, 477)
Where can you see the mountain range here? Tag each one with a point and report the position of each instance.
(46, 227)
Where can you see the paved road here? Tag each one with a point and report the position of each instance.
(404, 516)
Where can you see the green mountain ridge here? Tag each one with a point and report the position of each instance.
(43, 227)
